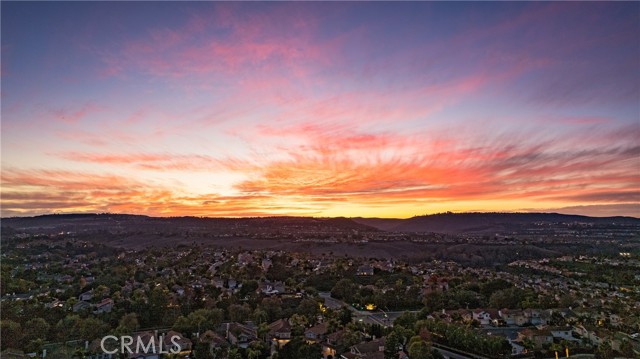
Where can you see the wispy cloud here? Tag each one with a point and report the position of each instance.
(73, 115)
(318, 108)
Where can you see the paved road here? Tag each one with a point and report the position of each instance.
(332, 302)
(382, 318)
(449, 355)
(458, 354)
(379, 317)
(509, 332)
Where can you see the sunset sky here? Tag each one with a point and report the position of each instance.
(320, 109)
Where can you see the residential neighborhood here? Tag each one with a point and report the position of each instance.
(221, 303)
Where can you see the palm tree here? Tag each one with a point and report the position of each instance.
(80, 353)
(253, 353)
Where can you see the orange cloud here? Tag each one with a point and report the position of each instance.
(43, 191)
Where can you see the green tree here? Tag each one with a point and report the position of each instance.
(182, 325)
(198, 321)
(345, 316)
(35, 346)
(38, 329)
(273, 308)
(260, 316)
(92, 328)
(253, 353)
(299, 321)
(492, 286)
(11, 333)
(100, 292)
(435, 301)
(344, 289)
(263, 331)
(406, 319)
(67, 327)
(507, 298)
(234, 353)
(604, 351)
(297, 348)
(202, 351)
(309, 308)
(419, 349)
(626, 348)
(239, 313)
(396, 341)
(249, 288)
(128, 323)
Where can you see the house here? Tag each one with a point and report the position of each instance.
(365, 270)
(86, 296)
(316, 333)
(65, 278)
(232, 283)
(533, 316)
(280, 332)
(245, 259)
(218, 282)
(80, 306)
(55, 304)
(615, 320)
(174, 341)
(366, 350)
(546, 317)
(104, 306)
(240, 334)
(333, 342)
(563, 333)
(434, 284)
(178, 289)
(271, 288)
(596, 336)
(151, 346)
(513, 317)
(536, 336)
(214, 340)
(482, 317)
(266, 264)
(517, 348)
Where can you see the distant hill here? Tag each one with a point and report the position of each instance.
(384, 224)
(125, 222)
(447, 223)
(456, 223)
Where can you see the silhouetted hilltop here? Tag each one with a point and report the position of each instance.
(504, 224)
(489, 222)
(127, 223)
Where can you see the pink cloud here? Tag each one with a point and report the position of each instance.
(74, 115)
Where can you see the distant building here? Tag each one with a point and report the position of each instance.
(240, 334)
(86, 296)
(266, 264)
(366, 350)
(104, 306)
(80, 306)
(316, 333)
(280, 332)
(365, 270)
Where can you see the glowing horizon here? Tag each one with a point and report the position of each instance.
(320, 109)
